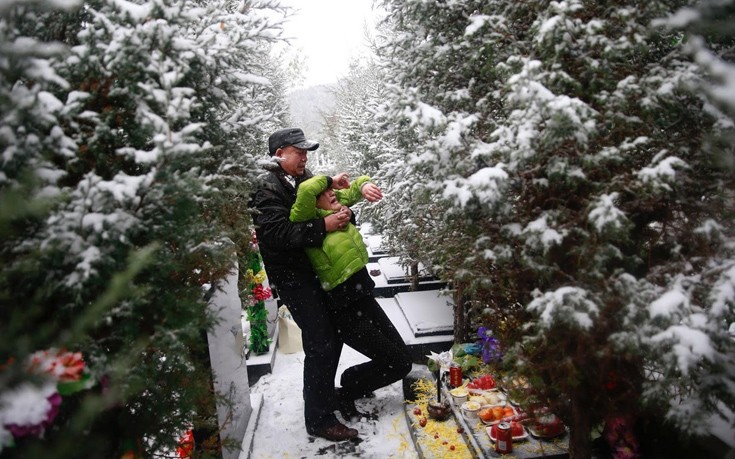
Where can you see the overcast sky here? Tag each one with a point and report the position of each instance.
(329, 33)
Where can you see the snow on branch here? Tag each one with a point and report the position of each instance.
(722, 295)
(424, 115)
(566, 305)
(538, 232)
(689, 346)
(661, 173)
(486, 184)
(605, 213)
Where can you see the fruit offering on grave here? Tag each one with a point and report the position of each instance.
(495, 398)
(517, 431)
(546, 426)
(494, 414)
(484, 382)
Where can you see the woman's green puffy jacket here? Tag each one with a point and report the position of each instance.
(342, 253)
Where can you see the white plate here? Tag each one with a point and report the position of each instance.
(515, 438)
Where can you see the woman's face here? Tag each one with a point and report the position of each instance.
(328, 201)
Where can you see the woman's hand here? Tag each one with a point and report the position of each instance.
(371, 192)
(340, 181)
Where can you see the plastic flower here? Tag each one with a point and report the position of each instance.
(260, 277)
(619, 434)
(186, 445)
(261, 293)
(490, 345)
(62, 365)
(253, 278)
(28, 409)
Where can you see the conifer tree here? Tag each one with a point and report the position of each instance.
(355, 144)
(142, 131)
(559, 170)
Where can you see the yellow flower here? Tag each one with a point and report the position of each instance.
(260, 277)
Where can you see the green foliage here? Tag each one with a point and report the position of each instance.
(551, 160)
(128, 143)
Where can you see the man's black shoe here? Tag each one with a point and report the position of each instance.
(335, 432)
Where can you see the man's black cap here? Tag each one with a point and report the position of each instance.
(290, 136)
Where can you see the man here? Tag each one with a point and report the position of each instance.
(282, 245)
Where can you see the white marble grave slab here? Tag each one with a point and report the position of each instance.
(374, 244)
(229, 369)
(427, 312)
(395, 273)
(365, 228)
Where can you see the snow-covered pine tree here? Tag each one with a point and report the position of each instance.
(34, 147)
(161, 100)
(434, 86)
(355, 144)
(561, 154)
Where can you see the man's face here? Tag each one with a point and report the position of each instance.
(328, 201)
(293, 160)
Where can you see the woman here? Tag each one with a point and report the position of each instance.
(340, 264)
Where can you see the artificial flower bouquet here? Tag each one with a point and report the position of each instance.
(30, 407)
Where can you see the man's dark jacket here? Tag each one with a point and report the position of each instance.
(282, 242)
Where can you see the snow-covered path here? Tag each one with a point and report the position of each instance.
(280, 433)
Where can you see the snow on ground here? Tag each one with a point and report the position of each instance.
(281, 434)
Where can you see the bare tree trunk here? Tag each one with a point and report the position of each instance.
(580, 446)
(459, 322)
(414, 276)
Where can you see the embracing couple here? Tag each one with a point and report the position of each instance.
(316, 259)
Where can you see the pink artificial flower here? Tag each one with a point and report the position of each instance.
(619, 434)
(28, 410)
(261, 293)
(62, 365)
(70, 366)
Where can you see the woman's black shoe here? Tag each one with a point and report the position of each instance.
(349, 411)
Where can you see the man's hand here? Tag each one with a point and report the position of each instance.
(371, 192)
(338, 220)
(340, 181)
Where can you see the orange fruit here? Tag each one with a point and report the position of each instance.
(507, 412)
(486, 414)
(497, 412)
